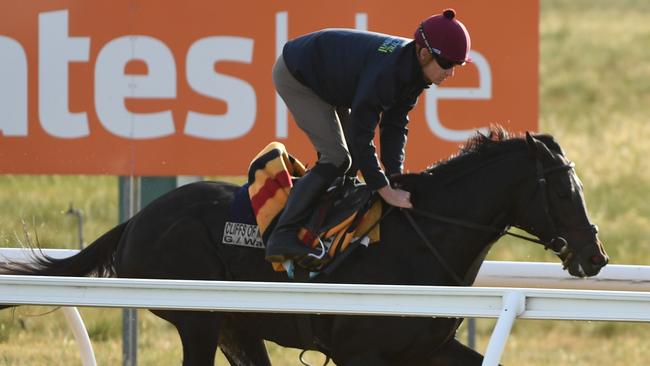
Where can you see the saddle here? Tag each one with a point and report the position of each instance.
(341, 209)
(348, 210)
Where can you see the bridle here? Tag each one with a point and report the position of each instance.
(557, 244)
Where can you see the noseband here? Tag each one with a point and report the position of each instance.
(557, 244)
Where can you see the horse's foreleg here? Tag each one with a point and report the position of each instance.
(454, 353)
(243, 349)
(199, 332)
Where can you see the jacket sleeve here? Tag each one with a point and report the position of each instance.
(374, 94)
(363, 120)
(393, 135)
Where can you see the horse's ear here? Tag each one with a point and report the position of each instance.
(531, 142)
(536, 147)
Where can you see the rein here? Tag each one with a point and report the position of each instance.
(564, 251)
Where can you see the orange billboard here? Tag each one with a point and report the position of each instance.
(149, 87)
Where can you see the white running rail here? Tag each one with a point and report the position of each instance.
(506, 304)
(492, 274)
(503, 303)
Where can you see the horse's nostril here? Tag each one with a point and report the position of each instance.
(598, 260)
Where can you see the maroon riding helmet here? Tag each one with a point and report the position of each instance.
(445, 36)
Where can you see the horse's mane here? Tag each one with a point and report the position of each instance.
(495, 141)
(482, 146)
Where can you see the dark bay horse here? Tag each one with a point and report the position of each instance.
(462, 206)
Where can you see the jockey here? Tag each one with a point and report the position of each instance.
(339, 84)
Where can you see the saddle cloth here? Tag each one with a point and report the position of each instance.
(345, 212)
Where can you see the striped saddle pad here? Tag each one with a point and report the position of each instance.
(347, 211)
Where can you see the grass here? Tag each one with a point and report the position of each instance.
(39, 204)
(594, 98)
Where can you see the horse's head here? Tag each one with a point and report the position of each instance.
(554, 210)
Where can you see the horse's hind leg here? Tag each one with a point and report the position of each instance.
(199, 332)
(243, 349)
(454, 353)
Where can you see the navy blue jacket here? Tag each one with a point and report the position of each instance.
(377, 76)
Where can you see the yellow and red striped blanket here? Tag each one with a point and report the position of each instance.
(270, 180)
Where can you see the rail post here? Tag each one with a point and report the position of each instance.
(514, 303)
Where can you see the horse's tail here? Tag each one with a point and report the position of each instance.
(97, 259)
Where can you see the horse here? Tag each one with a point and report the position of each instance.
(462, 206)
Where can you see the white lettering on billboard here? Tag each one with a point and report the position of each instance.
(281, 37)
(238, 94)
(112, 86)
(55, 51)
(13, 88)
(437, 93)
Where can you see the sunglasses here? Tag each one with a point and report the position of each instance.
(444, 63)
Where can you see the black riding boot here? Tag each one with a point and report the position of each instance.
(283, 244)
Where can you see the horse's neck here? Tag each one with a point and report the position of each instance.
(480, 197)
(485, 198)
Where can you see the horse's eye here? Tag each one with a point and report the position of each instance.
(563, 187)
